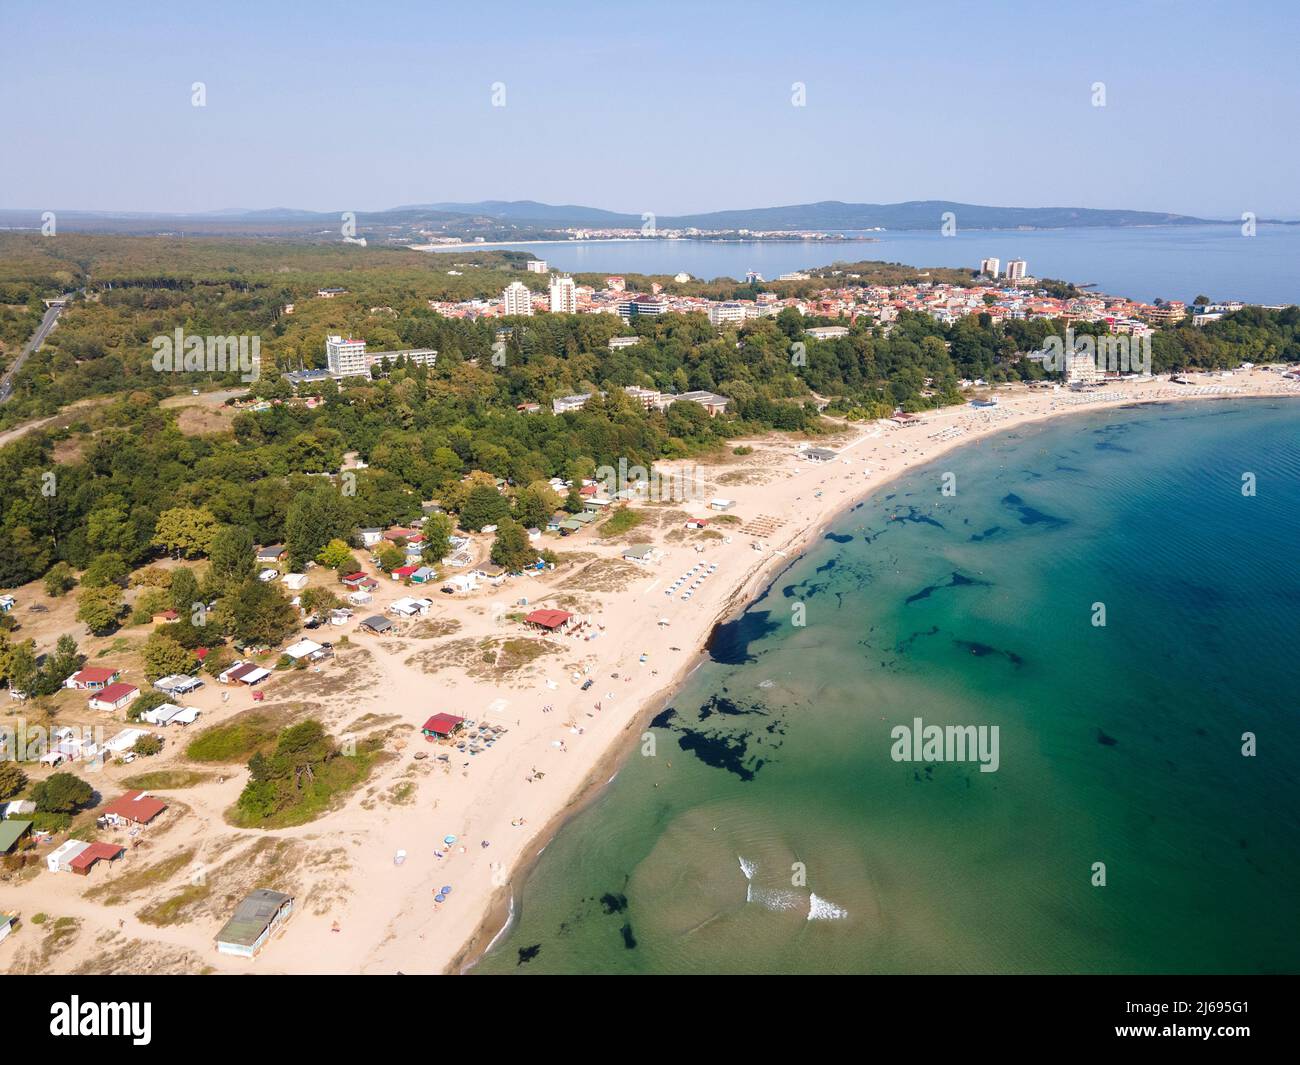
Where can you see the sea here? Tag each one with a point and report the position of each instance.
(1111, 602)
(1143, 263)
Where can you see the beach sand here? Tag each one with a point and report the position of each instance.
(357, 910)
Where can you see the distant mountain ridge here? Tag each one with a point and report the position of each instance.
(529, 219)
(827, 214)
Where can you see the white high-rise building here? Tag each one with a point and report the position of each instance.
(537, 266)
(349, 358)
(990, 266)
(1017, 269)
(516, 299)
(564, 295)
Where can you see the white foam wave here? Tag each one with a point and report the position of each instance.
(747, 867)
(820, 909)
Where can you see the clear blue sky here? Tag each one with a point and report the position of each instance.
(663, 106)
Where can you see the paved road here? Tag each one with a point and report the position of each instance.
(38, 338)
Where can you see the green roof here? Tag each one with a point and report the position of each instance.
(252, 917)
(11, 832)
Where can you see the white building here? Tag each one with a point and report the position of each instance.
(1017, 269)
(537, 266)
(516, 299)
(990, 267)
(564, 295)
(721, 314)
(623, 342)
(349, 358)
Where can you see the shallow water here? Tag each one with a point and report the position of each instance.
(773, 831)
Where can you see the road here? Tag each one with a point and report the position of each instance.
(38, 338)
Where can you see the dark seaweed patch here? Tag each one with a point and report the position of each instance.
(629, 940)
(1106, 741)
(729, 641)
(1030, 515)
(957, 580)
(991, 531)
(983, 650)
(528, 953)
(720, 704)
(611, 903)
(839, 538)
(662, 718)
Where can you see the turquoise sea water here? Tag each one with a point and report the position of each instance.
(1120, 744)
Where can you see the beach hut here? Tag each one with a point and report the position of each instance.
(95, 852)
(113, 697)
(135, 807)
(378, 624)
(553, 621)
(253, 921)
(11, 832)
(93, 678)
(440, 726)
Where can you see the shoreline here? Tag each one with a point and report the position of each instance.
(502, 910)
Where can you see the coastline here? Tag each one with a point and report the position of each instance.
(502, 908)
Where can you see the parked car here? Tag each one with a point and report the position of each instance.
(586, 684)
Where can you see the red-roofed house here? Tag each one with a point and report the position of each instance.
(440, 726)
(135, 807)
(96, 852)
(402, 572)
(114, 697)
(92, 678)
(550, 620)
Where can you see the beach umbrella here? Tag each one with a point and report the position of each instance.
(446, 890)
(449, 840)
(439, 898)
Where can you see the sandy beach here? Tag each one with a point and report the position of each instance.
(358, 910)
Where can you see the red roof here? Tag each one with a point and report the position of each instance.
(136, 806)
(95, 852)
(114, 692)
(235, 672)
(548, 619)
(405, 571)
(201, 653)
(443, 724)
(95, 675)
(354, 577)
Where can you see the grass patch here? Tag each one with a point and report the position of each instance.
(622, 521)
(167, 779)
(133, 880)
(236, 740)
(329, 785)
(172, 910)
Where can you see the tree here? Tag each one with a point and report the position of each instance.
(12, 779)
(510, 548)
(58, 666)
(535, 504)
(22, 669)
(260, 614)
(100, 608)
(573, 501)
(148, 745)
(314, 519)
(62, 793)
(437, 539)
(185, 531)
(106, 569)
(231, 554)
(390, 558)
(317, 600)
(59, 580)
(184, 591)
(163, 656)
(483, 506)
(337, 556)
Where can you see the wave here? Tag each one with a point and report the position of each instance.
(820, 909)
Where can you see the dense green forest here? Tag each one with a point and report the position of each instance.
(129, 477)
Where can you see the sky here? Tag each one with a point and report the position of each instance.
(665, 107)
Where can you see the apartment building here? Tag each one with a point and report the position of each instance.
(516, 299)
(564, 295)
(349, 358)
